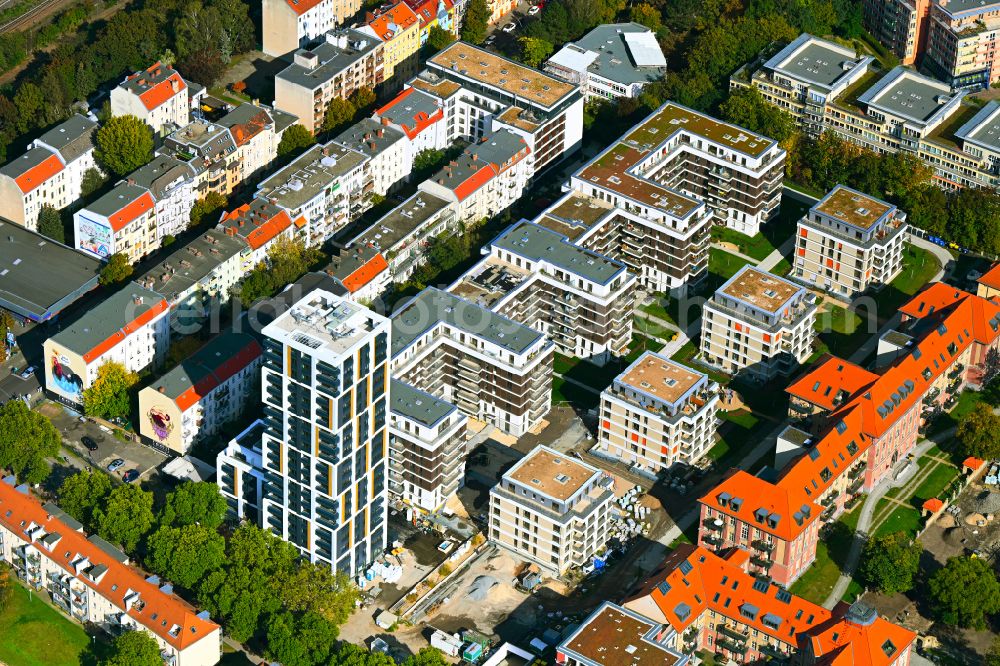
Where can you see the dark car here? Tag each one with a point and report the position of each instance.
(130, 476)
(89, 442)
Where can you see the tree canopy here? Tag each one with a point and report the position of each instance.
(27, 438)
(889, 563)
(109, 396)
(964, 592)
(126, 516)
(123, 144)
(979, 433)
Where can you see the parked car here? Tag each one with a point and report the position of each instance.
(116, 464)
(510, 27)
(131, 476)
(89, 443)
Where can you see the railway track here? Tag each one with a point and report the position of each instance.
(28, 16)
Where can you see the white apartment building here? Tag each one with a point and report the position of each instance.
(580, 299)
(325, 388)
(759, 324)
(94, 583)
(427, 448)
(130, 327)
(485, 179)
(158, 96)
(206, 391)
(657, 413)
(848, 242)
(49, 173)
(123, 221)
(290, 24)
(492, 368)
(552, 510)
(173, 185)
(340, 64)
(390, 159)
(611, 61)
(326, 186)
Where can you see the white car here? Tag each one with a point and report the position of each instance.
(534, 10)
(510, 27)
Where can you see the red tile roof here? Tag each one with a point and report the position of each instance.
(991, 278)
(218, 375)
(115, 338)
(19, 510)
(39, 173)
(829, 379)
(130, 211)
(300, 7)
(365, 273)
(393, 21)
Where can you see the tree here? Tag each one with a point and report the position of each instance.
(964, 592)
(339, 112)
(295, 139)
(50, 224)
(889, 563)
(124, 143)
(126, 516)
(646, 15)
(477, 20)
(82, 493)
(194, 503)
(185, 554)
(207, 209)
(109, 396)
(134, 648)
(348, 654)
(534, 50)
(118, 269)
(979, 433)
(204, 66)
(93, 180)
(27, 438)
(438, 38)
(315, 588)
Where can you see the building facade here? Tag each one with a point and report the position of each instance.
(552, 510)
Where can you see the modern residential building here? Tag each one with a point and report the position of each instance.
(860, 424)
(657, 413)
(123, 221)
(203, 393)
(494, 369)
(326, 186)
(129, 327)
(173, 185)
(290, 24)
(701, 601)
(481, 92)
(487, 178)
(580, 299)
(258, 225)
(552, 510)
(42, 277)
(49, 173)
(426, 448)
(398, 28)
(390, 159)
(611, 61)
(157, 96)
(93, 582)
(209, 149)
(340, 64)
(849, 242)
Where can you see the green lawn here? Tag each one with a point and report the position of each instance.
(35, 634)
(758, 247)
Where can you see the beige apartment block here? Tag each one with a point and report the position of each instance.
(657, 413)
(552, 510)
(758, 324)
(849, 242)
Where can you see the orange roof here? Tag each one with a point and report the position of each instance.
(860, 638)
(829, 382)
(109, 343)
(39, 173)
(933, 505)
(365, 273)
(163, 613)
(991, 278)
(972, 463)
(218, 376)
(300, 7)
(748, 497)
(131, 211)
(471, 184)
(393, 21)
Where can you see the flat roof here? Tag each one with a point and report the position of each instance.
(551, 473)
(109, 317)
(494, 71)
(983, 129)
(416, 405)
(189, 264)
(852, 207)
(339, 51)
(660, 377)
(310, 173)
(764, 291)
(400, 222)
(433, 306)
(906, 94)
(815, 61)
(323, 319)
(540, 244)
(39, 277)
(615, 636)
